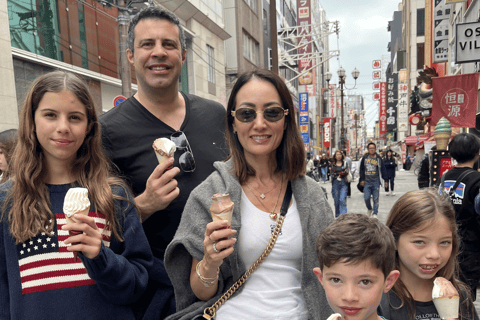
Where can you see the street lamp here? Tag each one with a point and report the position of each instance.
(342, 76)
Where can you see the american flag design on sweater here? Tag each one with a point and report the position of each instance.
(46, 264)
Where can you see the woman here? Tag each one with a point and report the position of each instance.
(390, 166)
(266, 153)
(8, 139)
(324, 167)
(339, 171)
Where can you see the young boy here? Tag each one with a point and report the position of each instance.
(357, 261)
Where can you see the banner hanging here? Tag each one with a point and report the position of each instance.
(455, 98)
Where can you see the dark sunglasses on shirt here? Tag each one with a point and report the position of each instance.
(186, 160)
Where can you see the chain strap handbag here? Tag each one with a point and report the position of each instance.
(209, 313)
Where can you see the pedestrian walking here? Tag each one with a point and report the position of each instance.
(348, 161)
(423, 177)
(339, 171)
(372, 171)
(390, 167)
(324, 164)
(8, 139)
(464, 148)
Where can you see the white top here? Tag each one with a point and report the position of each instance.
(273, 291)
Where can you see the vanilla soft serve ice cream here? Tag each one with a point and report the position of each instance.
(76, 202)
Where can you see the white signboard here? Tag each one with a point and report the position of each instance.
(402, 107)
(467, 42)
(441, 14)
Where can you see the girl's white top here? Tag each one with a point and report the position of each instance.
(76, 200)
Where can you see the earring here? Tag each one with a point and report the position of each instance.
(234, 132)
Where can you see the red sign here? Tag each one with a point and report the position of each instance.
(376, 64)
(383, 108)
(376, 86)
(377, 75)
(445, 165)
(326, 132)
(376, 96)
(118, 99)
(455, 98)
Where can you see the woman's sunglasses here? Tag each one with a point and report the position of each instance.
(186, 161)
(271, 114)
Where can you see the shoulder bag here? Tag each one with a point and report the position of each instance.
(209, 313)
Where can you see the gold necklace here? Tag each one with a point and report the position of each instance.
(262, 195)
(272, 215)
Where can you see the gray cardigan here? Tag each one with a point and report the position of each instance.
(315, 215)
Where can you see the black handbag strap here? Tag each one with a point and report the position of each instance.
(286, 200)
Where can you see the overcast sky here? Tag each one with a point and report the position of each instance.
(363, 38)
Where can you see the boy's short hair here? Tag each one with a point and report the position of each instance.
(354, 238)
(464, 147)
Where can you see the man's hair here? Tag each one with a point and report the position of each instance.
(154, 13)
(371, 143)
(354, 238)
(464, 147)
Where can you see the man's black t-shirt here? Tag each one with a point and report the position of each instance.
(128, 133)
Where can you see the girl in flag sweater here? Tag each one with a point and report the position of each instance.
(59, 147)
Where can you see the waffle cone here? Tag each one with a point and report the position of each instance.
(446, 307)
(72, 219)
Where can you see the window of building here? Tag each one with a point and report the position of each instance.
(211, 70)
(420, 55)
(265, 21)
(250, 48)
(252, 4)
(421, 22)
(211, 64)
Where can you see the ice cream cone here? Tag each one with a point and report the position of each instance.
(164, 149)
(76, 202)
(335, 316)
(446, 307)
(442, 140)
(442, 133)
(222, 208)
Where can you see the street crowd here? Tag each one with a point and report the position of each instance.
(148, 247)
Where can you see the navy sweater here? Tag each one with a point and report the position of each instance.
(39, 279)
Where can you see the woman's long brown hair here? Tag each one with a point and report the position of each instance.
(412, 211)
(29, 201)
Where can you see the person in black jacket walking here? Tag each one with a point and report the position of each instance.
(371, 167)
(390, 166)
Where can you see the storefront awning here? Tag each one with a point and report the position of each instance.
(413, 140)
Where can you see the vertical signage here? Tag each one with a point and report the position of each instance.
(332, 103)
(383, 109)
(441, 15)
(326, 132)
(304, 122)
(392, 96)
(304, 21)
(402, 107)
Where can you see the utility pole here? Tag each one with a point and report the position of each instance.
(273, 35)
(125, 73)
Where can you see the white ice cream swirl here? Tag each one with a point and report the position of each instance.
(76, 200)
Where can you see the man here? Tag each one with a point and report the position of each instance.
(424, 173)
(464, 148)
(156, 49)
(371, 166)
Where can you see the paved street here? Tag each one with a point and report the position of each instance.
(404, 181)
